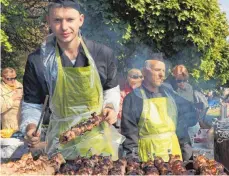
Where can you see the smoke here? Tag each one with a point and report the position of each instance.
(129, 55)
(133, 54)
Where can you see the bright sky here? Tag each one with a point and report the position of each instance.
(225, 7)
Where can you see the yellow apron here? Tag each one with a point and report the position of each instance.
(157, 126)
(78, 93)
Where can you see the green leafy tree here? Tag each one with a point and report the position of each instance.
(22, 29)
(192, 32)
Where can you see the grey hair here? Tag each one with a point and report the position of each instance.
(155, 56)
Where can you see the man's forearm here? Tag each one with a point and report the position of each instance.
(30, 115)
(111, 98)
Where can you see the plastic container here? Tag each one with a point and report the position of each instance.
(9, 147)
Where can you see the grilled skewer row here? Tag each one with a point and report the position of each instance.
(81, 128)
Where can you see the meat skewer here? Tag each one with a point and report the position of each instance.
(81, 128)
(207, 167)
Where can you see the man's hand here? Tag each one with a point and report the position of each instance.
(32, 138)
(111, 115)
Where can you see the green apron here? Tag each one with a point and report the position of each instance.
(157, 126)
(78, 93)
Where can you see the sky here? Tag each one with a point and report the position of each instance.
(224, 4)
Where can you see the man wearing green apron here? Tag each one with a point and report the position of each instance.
(80, 78)
(154, 117)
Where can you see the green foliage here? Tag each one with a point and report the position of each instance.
(177, 27)
(189, 32)
(4, 41)
(21, 31)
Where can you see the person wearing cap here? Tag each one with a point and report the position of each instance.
(154, 118)
(11, 95)
(134, 80)
(79, 76)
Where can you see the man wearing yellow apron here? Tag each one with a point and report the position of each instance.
(154, 117)
(80, 78)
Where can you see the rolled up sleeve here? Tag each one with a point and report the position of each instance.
(30, 113)
(112, 96)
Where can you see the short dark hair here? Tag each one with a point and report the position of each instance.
(64, 3)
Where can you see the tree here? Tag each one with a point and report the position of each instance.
(189, 31)
(22, 29)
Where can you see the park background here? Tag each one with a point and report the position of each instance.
(190, 32)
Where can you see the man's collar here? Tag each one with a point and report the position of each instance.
(81, 51)
(145, 88)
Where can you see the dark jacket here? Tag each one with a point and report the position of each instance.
(132, 109)
(35, 86)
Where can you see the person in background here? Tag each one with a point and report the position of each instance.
(155, 119)
(226, 95)
(213, 100)
(134, 80)
(11, 96)
(226, 99)
(179, 82)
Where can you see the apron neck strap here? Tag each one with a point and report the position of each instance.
(143, 93)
